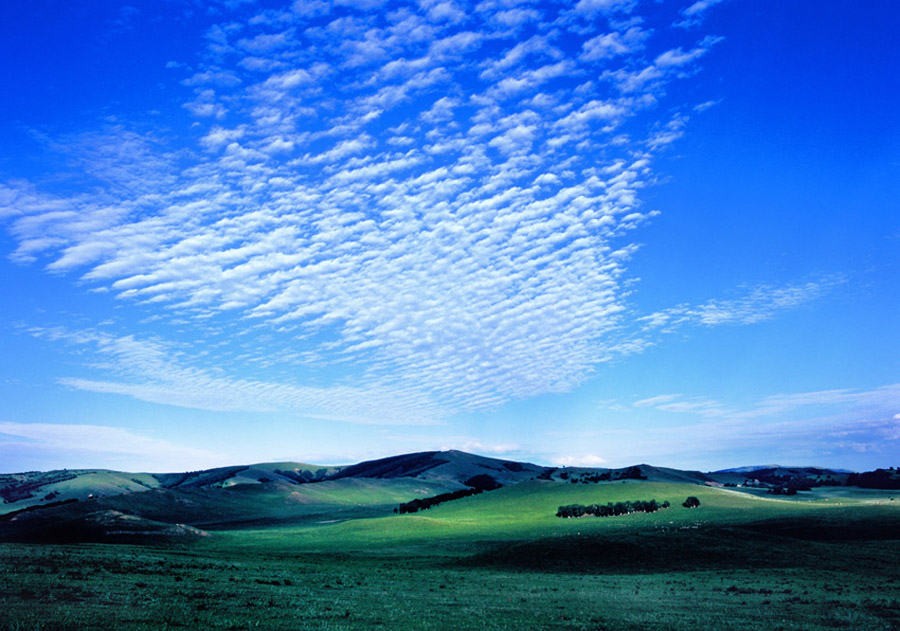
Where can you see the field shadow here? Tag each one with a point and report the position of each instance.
(797, 543)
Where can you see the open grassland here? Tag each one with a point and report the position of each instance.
(499, 560)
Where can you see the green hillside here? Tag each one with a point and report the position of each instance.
(452, 469)
(333, 556)
(33, 489)
(528, 510)
(259, 505)
(23, 490)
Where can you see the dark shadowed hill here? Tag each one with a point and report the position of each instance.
(450, 466)
(71, 525)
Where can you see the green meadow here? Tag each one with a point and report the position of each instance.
(498, 560)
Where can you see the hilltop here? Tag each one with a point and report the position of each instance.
(97, 505)
(469, 542)
(450, 469)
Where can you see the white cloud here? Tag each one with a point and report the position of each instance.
(883, 397)
(583, 460)
(671, 63)
(702, 107)
(446, 12)
(360, 4)
(494, 449)
(265, 42)
(777, 406)
(219, 137)
(614, 44)
(157, 372)
(677, 57)
(537, 46)
(821, 428)
(516, 17)
(700, 6)
(759, 304)
(597, 6)
(219, 78)
(657, 400)
(694, 14)
(359, 199)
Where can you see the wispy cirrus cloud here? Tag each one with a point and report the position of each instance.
(85, 443)
(845, 427)
(693, 14)
(839, 440)
(881, 402)
(494, 449)
(92, 438)
(699, 406)
(443, 199)
(758, 304)
(160, 372)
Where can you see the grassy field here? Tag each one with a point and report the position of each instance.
(499, 560)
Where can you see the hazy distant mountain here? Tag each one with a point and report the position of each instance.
(752, 468)
(749, 469)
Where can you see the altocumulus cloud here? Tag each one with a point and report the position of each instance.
(436, 198)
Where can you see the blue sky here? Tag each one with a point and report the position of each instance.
(590, 232)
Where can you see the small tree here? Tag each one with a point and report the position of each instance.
(691, 502)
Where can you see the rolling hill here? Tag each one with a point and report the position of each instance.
(283, 546)
(93, 504)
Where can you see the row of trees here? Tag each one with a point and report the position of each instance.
(477, 484)
(427, 502)
(593, 477)
(610, 509)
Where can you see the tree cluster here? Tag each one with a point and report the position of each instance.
(13, 488)
(304, 476)
(198, 479)
(477, 484)
(610, 509)
(786, 490)
(589, 478)
(593, 477)
(877, 479)
(790, 481)
(483, 481)
(547, 473)
(691, 502)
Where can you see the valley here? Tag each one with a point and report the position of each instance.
(333, 554)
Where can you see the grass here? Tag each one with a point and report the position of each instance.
(500, 560)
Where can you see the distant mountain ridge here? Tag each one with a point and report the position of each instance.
(101, 506)
(451, 468)
(752, 468)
